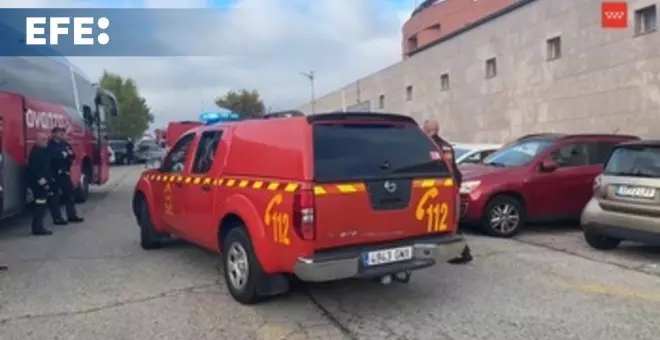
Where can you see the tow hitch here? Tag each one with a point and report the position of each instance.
(464, 258)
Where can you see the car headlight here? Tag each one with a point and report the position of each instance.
(469, 186)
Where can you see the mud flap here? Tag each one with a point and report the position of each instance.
(464, 258)
(271, 285)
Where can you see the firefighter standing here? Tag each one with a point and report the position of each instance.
(39, 180)
(130, 147)
(62, 157)
(431, 129)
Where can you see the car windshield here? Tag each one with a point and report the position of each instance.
(634, 161)
(367, 151)
(117, 144)
(458, 152)
(517, 154)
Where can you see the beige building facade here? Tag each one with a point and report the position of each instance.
(545, 66)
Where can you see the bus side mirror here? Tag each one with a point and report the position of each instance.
(108, 101)
(87, 113)
(113, 110)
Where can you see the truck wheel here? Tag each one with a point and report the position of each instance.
(82, 191)
(601, 242)
(241, 267)
(149, 238)
(504, 216)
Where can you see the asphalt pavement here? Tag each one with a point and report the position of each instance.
(93, 281)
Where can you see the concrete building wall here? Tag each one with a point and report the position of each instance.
(604, 81)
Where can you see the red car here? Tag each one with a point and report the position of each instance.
(537, 178)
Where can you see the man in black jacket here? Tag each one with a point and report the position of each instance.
(39, 180)
(62, 157)
(431, 129)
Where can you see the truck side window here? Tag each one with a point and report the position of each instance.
(206, 149)
(176, 159)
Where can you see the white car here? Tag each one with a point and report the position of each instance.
(111, 156)
(473, 153)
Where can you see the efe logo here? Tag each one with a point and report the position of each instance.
(82, 30)
(614, 15)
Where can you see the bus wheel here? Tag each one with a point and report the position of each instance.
(82, 191)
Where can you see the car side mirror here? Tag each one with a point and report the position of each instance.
(548, 165)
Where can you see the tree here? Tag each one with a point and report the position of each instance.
(246, 103)
(134, 113)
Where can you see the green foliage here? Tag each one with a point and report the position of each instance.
(134, 113)
(246, 103)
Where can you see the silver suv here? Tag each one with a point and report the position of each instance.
(626, 200)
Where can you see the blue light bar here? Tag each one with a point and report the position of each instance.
(217, 117)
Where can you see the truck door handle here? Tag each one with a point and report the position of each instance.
(206, 187)
(179, 185)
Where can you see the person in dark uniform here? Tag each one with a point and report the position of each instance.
(62, 157)
(130, 147)
(39, 180)
(431, 129)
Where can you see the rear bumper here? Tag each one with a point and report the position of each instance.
(339, 265)
(620, 225)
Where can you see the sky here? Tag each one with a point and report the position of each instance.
(268, 43)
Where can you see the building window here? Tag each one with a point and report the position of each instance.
(435, 27)
(645, 20)
(553, 46)
(409, 93)
(491, 68)
(444, 82)
(412, 43)
(381, 101)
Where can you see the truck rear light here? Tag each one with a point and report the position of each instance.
(304, 222)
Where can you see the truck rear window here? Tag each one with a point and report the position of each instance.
(369, 151)
(634, 161)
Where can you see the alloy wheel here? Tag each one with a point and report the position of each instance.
(504, 218)
(238, 266)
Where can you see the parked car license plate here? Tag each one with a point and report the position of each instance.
(378, 257)
(637, 192)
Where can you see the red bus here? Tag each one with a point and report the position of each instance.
(177, 129)
(36, 95)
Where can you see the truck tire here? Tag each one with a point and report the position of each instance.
(149, 238)
(82, 191)
(241, 267)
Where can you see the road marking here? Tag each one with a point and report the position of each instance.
(277, 331)
(596, 288)
(613, 291)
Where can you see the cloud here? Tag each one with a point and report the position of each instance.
(264, 44)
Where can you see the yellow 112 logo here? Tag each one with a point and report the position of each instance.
(279, 221)
(435, 213)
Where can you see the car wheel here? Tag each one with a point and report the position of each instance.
(601, 242)
(241, 267)
(504, 216)
(149, 238)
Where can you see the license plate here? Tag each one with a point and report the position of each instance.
(636, 192)
(378, 257)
